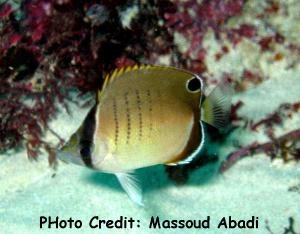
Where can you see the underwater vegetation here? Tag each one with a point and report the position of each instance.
(285, 146)
(43, 58)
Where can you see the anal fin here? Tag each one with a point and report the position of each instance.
(130, 184)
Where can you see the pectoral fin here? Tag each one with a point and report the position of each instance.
(216, 106)
(130, 184)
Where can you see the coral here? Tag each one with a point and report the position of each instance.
(193, 19)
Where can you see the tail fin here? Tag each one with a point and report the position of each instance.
(216, 106)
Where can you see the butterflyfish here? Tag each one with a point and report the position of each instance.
(146, 115)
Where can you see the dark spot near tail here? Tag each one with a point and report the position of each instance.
(193, 85)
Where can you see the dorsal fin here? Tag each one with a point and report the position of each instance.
(119, 71)
(115, 74)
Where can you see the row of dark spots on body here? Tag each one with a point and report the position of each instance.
(150, 108)
(138, 102)
(116, 121)
(129, 115)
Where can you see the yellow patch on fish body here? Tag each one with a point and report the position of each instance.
(146, 116)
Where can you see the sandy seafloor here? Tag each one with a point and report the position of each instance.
(255, 186)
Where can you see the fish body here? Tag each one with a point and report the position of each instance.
(145, 115)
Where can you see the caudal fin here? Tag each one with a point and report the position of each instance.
(216, 106)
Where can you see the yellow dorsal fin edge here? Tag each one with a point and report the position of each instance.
(119, 71)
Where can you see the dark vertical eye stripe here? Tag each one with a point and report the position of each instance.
(115, 114)
(128, 117)
(138, 102)
(86, 137)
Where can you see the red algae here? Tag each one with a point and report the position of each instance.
(285, 146)
(5, 10)
(194, 19)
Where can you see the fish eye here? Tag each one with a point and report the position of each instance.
(85, 151)
(194, 85)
